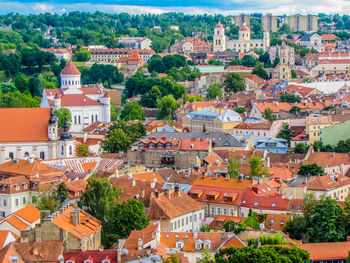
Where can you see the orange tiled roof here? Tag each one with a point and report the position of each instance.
(4, 235)
(276, 107)
(328, 182)
(232, 183)
(88, 224)
(276, 221)
(327, 251)
(282, 173)
(70, 69)
(29, 213)
(148, 176)
(16, 223)
(176, 204)
(24, 124)
(213, 158)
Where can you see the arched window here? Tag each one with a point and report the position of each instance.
(26, 154)
(92, 118)
(151, 145)
(68, 82)
(160, 145)
(70, 150)
(79, 119)
(4, 202)
(96, 119)
(62, 150)
(11, 155)
(42, 155)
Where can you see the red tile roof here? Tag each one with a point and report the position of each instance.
(282, 173)
(97, 256)
(174, 205)
(70, 69)
(327, 251)
(24, 124)
(77, 100)
(328, 182)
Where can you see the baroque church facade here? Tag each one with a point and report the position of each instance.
(243, 44)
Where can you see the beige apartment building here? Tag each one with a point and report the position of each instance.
(241, 20)
(269, 22)
(299, 23)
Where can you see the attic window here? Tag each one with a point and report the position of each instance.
(167, 236)
(272, 222)
(191, 146)
(186, 237)
(69, 261)
(292, 207)
(256, 204)
(282, 223)
(177, 236)
(244, 201)
(273, 205)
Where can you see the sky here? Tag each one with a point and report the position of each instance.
(224, 7)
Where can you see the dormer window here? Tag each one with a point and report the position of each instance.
(273, 205)
(17, 187)
(179, 244)
(198, 244)
(256, 204)
(160, 145)
(142, 145)
(88, 261)
(151, 145)
(69, 261)
(168, 145)
(272, 222)
(206, 244)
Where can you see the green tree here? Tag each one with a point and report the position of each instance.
(82, 150)
(234, 82)
(62, 114)
(249, 61)
(159, 45)
(233, 168)
(230, 226)
(294, 74)
(82, 55)
(265, 59)
(310, 169)
(156, 65)
(214, 91)
(132, 111)
(128, 216)
(240, 109)
(268, 113)
(62, 192)
(206, 257)
(150, 98)
(117, 141)
(260, 71)
(48, 201)
(300, 148)
(256, 168)
(36, 85)
(99, 200)
(290, 98)
(285, 132)
(18, 100)
(276, 62)
(327, 223)
(12, 64)
(21, 82)
(166, 107)
(262, 254)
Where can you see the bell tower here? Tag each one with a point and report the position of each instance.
(219, 38)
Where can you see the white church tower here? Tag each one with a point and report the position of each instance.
(66, 143)
(219, 38)
(70, 77)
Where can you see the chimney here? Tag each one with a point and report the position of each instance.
(227, 177)
(139, 244)
(167, 193)
(195, 235)
(44, 214)
(240, 178)
(156, 194)
(31, 159)
(153, 183)
(177, 190)
(133, 182)
(215, 176)
(333, 154)
(75, 217)
(143, 193)
(116, 173)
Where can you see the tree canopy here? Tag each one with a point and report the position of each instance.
(234, 82)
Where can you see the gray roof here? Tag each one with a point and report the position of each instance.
(220, 139)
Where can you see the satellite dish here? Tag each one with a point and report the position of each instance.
(261, 226)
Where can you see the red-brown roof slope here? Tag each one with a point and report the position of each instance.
(24, 124)
(327, 251)
(79, 256)
(174, 205)
(70, 69)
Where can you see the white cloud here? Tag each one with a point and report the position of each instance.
(43, 8)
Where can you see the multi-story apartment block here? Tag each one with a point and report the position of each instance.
(241, 20)
(269, 22)
(136, 42)
(299, 23)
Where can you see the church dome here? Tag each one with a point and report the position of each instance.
(244, 28)
(219, 25)
(70, 69)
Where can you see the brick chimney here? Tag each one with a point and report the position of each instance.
(44, 214)
(75, 217)
(177, 190)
